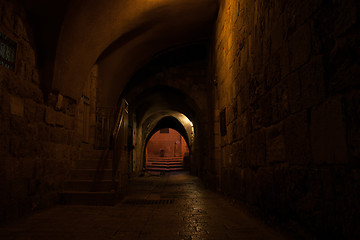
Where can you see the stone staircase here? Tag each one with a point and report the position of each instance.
(91, 181)
(165, 164)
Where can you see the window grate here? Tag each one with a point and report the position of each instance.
(7, 52)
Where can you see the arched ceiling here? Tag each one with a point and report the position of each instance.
(168, 119)
(171, 121)
(161, 100)
(121, 36)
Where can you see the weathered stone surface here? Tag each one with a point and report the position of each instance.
(297, 139)
(277, 35)
(312, 82)
(275, 144)
(50, 116)
(35, 76)
(241, 129)
(60, 119)
(327, 132)
(68, 122)
(30, 90)
(58, 135)
(32, 167)
(266, 108)
(255, 149)
(40, 113)
(43, 132)
(30, 110)
(280, 102)
(16, 106)
(297, 79)
(352, 110)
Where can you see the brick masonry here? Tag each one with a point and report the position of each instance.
(287, 73)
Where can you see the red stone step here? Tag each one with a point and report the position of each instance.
(164, 169)
(165, 164)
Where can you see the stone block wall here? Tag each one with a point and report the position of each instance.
(287, 75)
(38, 144)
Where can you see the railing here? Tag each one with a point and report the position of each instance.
(119, 142)
(103, 140)
(110, 134)
(120, 118)
(104, 127)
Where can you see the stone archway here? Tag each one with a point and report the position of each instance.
(166, 151)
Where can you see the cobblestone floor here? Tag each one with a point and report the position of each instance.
(168, 207)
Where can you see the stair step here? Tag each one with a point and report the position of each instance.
(164, 169)
(90, 174)
(164, 159)
(82, 189)
(89, 198)
(166, 163)
(90, 186)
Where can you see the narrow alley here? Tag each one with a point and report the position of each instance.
(258, 100)
(174, 206)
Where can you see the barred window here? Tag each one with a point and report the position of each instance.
(7, 52)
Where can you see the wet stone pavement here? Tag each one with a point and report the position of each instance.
(167, 207)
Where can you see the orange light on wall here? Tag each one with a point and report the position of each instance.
(165, 151)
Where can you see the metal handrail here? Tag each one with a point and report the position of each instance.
(120, 118)
(104, 127)
(117, 126)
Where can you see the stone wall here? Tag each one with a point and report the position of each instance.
(37, 136)
(287, 75)
(86, 111)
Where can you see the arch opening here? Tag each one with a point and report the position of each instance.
(167, 150)
(175, 122)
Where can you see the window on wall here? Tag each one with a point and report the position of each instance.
(164, 130)
(7, 52)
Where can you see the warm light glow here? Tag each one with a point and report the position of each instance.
(185, 121)
(167, 151)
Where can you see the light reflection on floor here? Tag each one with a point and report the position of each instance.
(194, 213)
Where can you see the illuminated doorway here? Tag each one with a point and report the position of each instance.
(167, 150)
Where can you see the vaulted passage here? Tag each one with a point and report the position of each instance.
(261, 100)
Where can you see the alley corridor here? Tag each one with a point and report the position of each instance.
(175, 206)
(258, 100)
